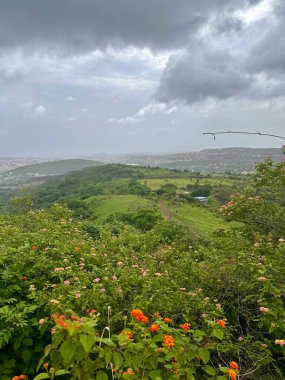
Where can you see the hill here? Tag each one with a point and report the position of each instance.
(40, 171)
(235, 160)
(139, 296)
(140, 196)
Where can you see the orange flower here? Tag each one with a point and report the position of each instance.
(75, 318)
(21, 377)
(61, 323)
(136, 312)
(154, 328)
(46, 365)
(157, 315)
(168, 341)
(233, 365)
(185, 326)
(76, 249)
(232, 374)
(168, 320)
(222, 323)
(198, 357)
(34, 247)
(140, 317)
(129, 334)
(24, 278)
(129, 371)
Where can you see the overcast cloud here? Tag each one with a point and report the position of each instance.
(93, 76)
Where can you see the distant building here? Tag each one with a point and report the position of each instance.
(202, 199)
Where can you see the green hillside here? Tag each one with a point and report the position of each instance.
(134, 283)
(55, 167)
(103, 206)
(119, 192)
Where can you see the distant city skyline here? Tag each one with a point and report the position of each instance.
(80, 78)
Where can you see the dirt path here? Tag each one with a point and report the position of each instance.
(165, 210)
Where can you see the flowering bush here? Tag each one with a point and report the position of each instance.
(137, 352)
(208, 310)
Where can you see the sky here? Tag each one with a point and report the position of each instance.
(87, 77)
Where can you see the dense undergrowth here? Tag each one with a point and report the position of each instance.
(157, 304)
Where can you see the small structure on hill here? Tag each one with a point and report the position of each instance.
(202, 199)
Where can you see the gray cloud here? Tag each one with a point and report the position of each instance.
(268, 53)
(202, 73)
(130, 63)
(85, 24)
(232, 60)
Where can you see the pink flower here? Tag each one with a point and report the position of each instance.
(280, 342)
(78, 295)
(96, 280)
(264, 309)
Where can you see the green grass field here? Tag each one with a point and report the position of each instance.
(156, 183)
(104, 206)
(201, 219)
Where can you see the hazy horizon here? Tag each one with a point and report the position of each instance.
(94, 156)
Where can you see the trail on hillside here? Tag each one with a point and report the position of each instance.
(165, 210)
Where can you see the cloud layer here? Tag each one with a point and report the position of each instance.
(85, 24)
(126, 75)
(234, 59)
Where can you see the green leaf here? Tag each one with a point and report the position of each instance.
(222, 378)
(101, 376)
(218, 333)
(156, 374)
(67, 350)
(107, 341)
(26, 355)
(224, 369)
(153, 362)
(118, 360)
(209, 370)
(87, 342)
(205, 355)
(28, 342)
(42, 376)
(108, 356)
(40, 363)
(61, 372)
(47, 350)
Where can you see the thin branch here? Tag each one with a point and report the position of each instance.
(244, 133)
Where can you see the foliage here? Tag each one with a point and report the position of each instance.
(261, 206)
(122, 301)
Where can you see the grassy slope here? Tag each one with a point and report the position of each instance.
(105, 191)
(156, 183)
(201, 219)
(104, 206)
